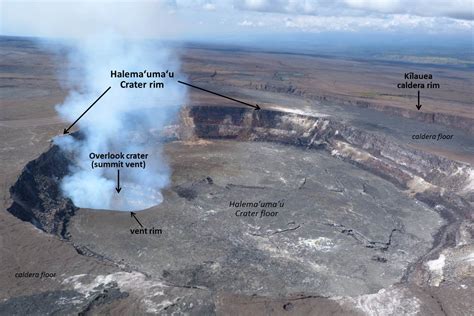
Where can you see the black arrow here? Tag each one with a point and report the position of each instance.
(66, 130)
(118, 188)
(256, 107)
(418, 106)
(132, 214)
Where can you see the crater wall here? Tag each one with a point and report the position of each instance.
(437, 181)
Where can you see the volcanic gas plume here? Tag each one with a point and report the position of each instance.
(124, 120)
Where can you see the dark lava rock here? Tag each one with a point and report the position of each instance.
(288, 306)
(105, 297)
(59, 303)
(379, 259)
(37, 196)
(189, 191)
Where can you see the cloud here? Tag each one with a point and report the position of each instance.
(456, 9)
(251, 23)
(434, 16)
(79, 19)
(195, 19)
(209, 6)
(284, 6)
(393, 23)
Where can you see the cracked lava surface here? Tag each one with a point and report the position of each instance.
(342, 230)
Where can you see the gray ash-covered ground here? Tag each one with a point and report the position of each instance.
(341, 231)
(337, 231)
(339, 214)
(373, 222)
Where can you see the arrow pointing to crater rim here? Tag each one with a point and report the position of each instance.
(418, 106)
(118, 188)
(66, 130)
(132, 214)
(256, 106)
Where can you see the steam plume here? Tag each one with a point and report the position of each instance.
(125, 120)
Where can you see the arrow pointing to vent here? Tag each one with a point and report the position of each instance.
(133, 214)
(118, 188)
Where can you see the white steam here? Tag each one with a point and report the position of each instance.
(127, 120)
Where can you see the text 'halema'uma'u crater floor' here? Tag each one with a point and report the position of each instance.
(341, 230)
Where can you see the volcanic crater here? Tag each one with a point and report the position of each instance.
(346, 212)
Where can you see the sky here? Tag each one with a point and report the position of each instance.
(250, 22)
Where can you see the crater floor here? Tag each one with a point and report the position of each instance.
(341, 231)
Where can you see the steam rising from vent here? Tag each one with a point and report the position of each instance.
(127, 120)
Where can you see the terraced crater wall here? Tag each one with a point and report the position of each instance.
(442, 184)
(446, 119)
(439, 182)
(408, 168)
